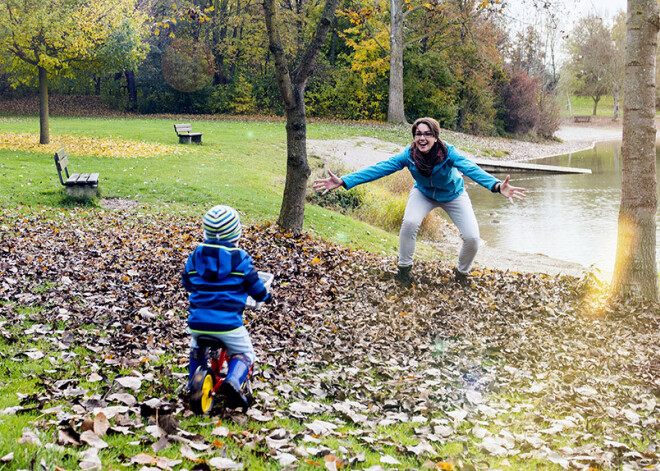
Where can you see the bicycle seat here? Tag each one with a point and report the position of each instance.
(204, 341)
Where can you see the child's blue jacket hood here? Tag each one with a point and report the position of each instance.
(212, 264)
(219, 277)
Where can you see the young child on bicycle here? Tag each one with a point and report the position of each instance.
(219, 277)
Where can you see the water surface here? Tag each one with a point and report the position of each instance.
(568, 217)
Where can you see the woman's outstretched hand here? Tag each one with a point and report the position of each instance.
(327, 184)
(510, 191)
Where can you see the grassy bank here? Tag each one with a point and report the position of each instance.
(584, 105)
(240, 163)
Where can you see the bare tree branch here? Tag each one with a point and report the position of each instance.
(277, 49)
(308, 59)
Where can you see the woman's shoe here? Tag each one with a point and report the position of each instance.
(403, 276)
(461, 278)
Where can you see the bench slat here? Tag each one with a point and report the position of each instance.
(63, 162)
(73, 179)
(179, 128)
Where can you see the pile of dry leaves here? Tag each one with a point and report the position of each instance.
(513, 365)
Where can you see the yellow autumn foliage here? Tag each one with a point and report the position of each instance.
(85, 145)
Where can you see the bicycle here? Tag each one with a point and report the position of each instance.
(206, 382)
(207, 379)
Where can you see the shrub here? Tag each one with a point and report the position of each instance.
(339, 95)
(521, 104)
(346, 202)
(382, 204)
(523, 107)
(550, 115)
(476, 114)
(233, 98)
(429, 89)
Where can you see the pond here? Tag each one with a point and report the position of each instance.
(567, 217)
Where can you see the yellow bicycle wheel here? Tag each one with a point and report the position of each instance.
(201, 391)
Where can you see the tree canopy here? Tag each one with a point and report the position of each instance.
(592, 55)
(50, 38)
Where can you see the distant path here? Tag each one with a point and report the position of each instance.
(360, 152)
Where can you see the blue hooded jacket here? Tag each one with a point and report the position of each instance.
(219, 277)
(445, 182)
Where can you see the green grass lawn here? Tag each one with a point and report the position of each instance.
(584, 105)
(241, 163)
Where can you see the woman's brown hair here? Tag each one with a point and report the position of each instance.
(433, 125)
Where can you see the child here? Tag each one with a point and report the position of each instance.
(219, 277)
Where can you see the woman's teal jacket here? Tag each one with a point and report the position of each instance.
(445, 182)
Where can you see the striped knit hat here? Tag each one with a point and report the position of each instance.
(222, 223)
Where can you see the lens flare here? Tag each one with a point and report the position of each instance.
(187, 65)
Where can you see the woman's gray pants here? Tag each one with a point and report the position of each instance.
(461, 213)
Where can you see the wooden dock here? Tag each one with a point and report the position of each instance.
(494, 166)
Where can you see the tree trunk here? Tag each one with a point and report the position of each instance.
(333, 42)
(292, 89)
(570, 109)
(596, 100)
(97, 85)
(131, 90)
(292, 212)
(615, 115)
(395, 110)
(635, 270)
(44, 135)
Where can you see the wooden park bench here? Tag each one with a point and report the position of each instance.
(582, 118)
(186, 136)
(78, 185)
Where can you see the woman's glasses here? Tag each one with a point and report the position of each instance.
(424, 134)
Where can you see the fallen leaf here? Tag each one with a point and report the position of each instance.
(92, 440)
(387, 459)
(101, 424)
(90, 460)
(130, 382)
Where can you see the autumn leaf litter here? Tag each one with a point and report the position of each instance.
(516, 364)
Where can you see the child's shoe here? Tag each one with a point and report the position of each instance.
(197, 359)
(232, 386)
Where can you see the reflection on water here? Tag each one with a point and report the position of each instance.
(569, 217)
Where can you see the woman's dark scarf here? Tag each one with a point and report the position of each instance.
(426, 162)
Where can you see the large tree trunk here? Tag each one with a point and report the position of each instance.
(635, 270)
(292, 89)
(292, 212)
(333, 42)
(44, 135)
(395, 110)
